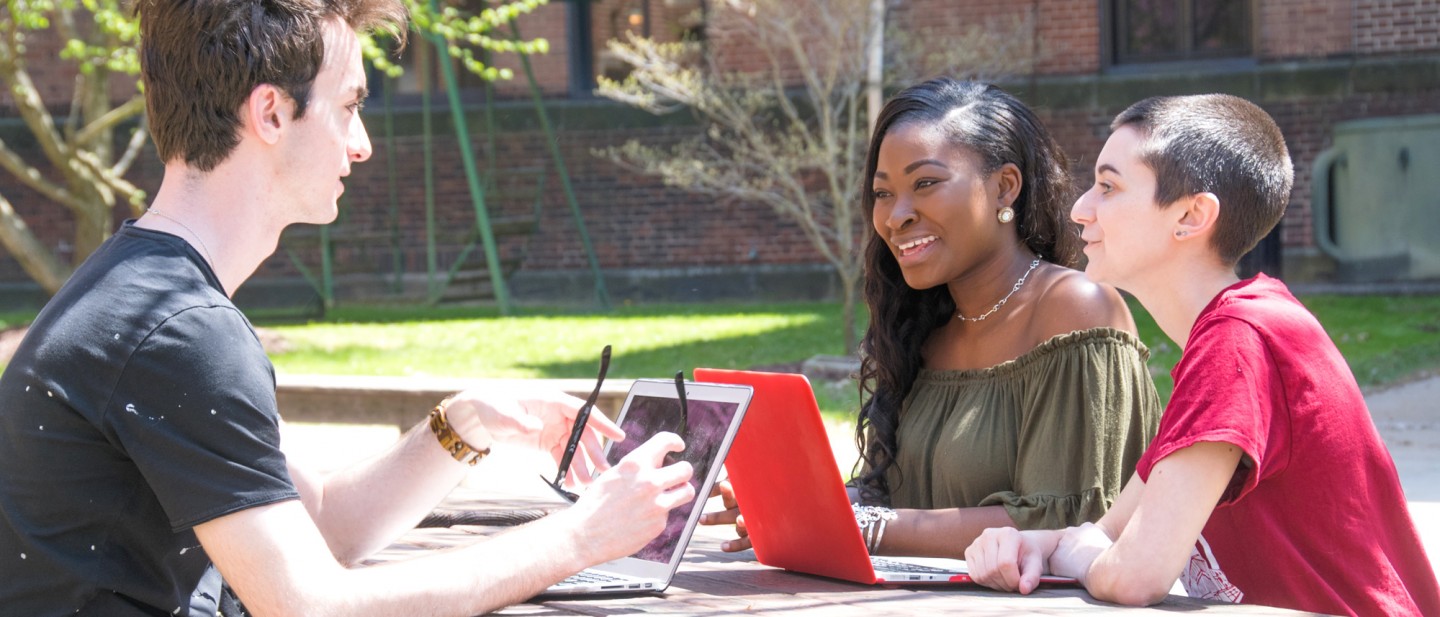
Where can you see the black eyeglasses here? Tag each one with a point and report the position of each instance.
(578, 430)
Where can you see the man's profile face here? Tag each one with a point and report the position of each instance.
(1124, 230)
(330, 136)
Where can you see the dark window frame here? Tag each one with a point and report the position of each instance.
(1112, 18)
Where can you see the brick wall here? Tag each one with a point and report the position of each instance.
(552, 70)
(633, 221)
(1069, 36)
(1305, 28)
(1394, 26)
(637, 223)
(1307, 123)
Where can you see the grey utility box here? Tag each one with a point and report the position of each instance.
(1375, 199)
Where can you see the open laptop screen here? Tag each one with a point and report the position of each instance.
(709, 422)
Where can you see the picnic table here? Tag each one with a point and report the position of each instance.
(713, 582)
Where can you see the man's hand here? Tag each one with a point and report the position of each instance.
(628, 505)
(535, 418)
(1007, 559)
(729, 516)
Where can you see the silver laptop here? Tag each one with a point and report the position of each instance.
(714, 412)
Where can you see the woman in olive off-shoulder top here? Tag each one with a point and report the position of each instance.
(1002, 387)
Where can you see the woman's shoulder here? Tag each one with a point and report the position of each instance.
(1069, 302)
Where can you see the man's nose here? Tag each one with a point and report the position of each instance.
(359, 145)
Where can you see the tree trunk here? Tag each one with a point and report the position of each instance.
(91, 230)
(850, 289)
(35, 258)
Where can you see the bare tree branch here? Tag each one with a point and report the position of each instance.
(19, 240)
(94, 165)
(131, 108)
(33, 178)
(132, 149)
(32, 109)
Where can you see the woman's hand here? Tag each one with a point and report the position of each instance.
(729, 516)
(535, 418)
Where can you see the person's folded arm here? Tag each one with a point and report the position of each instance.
(1152, 543)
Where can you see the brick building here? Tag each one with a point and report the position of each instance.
(1311, 63)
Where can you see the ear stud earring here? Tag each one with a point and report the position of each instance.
(1006, 214)
(1181, 234)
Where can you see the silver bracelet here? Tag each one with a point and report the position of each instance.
(872, 521)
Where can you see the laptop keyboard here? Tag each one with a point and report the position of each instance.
(885, 565)
(587, 577)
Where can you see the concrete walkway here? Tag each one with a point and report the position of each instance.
(1408, 417)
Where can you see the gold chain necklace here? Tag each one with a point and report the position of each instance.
(206, 249)
(1018, 284)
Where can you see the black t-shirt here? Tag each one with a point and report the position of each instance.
(139, 405)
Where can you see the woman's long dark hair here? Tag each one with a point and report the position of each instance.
(999, 129)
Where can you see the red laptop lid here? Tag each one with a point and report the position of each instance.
(787, 481)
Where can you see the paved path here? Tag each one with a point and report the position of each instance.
(1408, 417)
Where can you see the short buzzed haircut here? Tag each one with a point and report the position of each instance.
(1219, 144)
(201, 59)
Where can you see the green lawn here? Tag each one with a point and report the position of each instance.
(647, 341)
(1385, 339)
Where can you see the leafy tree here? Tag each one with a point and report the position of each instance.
(82, 161)
(86, 167)
(790, 132)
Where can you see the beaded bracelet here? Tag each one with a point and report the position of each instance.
(872, 521)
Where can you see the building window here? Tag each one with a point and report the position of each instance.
(1177, 30)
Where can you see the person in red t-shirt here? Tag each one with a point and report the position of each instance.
(1267, 482)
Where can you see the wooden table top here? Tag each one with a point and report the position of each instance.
(712, 582)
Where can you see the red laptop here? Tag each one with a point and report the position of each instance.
(790, 489)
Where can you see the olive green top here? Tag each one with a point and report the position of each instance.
(1051, 435)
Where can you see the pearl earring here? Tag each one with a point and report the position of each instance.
(1006, 214)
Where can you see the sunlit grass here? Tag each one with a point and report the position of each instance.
(1385, 339)
(648, 342)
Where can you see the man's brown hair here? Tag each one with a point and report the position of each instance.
(201, 59)
(1219, 144)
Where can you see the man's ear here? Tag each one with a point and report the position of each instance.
(1200, 213)
(267, 112)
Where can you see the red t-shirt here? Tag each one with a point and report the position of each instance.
(1314, 518)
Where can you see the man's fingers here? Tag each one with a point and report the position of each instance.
(653, 451)
(594, 452)
(582, 469)
(671, 476)
(601, 423)
(678, 495)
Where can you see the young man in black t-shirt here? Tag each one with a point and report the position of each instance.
(139, 442)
